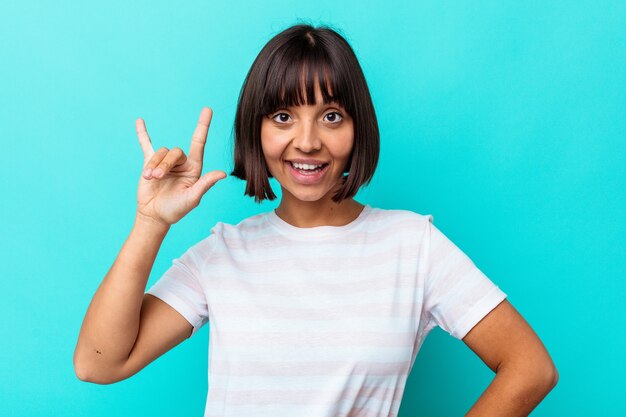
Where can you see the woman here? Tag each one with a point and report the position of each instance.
(317, 308)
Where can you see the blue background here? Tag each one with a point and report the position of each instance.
(506, 121)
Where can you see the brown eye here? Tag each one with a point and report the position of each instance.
(281, 118)
(333, 117)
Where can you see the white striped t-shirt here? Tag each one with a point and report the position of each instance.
(323, 321)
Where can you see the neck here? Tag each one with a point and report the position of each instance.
(324, 212)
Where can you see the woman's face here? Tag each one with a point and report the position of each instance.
(319, 136)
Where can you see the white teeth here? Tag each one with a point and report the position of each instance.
(305, 166)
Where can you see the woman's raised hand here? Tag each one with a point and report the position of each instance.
(170, 185)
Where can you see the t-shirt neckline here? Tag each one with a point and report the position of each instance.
(316, 231)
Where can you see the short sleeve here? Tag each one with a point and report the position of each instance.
(180, 284)
(457, 295)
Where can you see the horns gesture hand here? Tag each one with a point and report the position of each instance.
(171, 184)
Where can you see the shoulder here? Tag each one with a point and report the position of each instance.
(398, 225)
(245, 228)
(406, 218)
(225, 236)
(221, 231)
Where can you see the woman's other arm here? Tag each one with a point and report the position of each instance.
(524, 370)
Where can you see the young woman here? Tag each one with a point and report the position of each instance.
(319, 307)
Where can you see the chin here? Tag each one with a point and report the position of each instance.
(310, 196)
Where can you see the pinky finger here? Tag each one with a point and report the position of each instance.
(144, 139)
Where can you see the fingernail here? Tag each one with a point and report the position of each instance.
(157, 172)
(146, 172)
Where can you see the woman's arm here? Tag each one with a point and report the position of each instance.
(124, 329)
(524, 370)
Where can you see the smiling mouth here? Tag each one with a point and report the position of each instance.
(306, 168)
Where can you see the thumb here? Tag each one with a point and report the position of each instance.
(203, 184)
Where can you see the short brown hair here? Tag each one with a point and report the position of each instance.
(283, 75)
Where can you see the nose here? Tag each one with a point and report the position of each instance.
(307, 138)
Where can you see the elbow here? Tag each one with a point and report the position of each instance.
(546, 374)
(81, 372)
(542, 379)
(552, 377)
(87, 373)
(84, 373)
(532, 380)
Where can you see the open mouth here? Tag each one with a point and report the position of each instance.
(307, 169)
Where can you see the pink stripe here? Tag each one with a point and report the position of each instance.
(442, 248)
(304, 397)
(240, 310)
(364, 412)
(461, 269)
(335, 264)
(267, 287)
(235, 241)
(308, 368)
(309, 338)
(354, 412)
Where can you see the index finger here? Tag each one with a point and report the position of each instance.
(144, 139)
(198, 139)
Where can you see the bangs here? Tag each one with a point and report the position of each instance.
(295, 73)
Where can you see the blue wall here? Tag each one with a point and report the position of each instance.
(506, 121)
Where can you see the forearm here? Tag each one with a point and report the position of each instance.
(111, 324)
(514, 392)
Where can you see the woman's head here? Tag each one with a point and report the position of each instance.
(297, 67)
